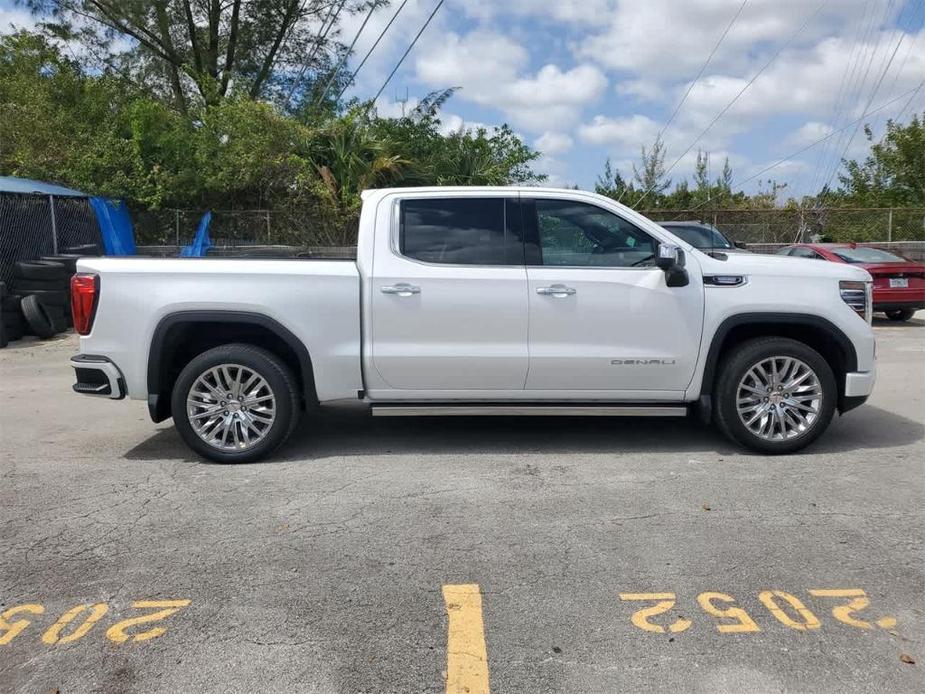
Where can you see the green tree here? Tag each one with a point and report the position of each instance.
(613, 185)
(650, 174)
(201, 51)
(893, 174)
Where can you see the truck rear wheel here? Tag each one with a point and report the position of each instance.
(774, 395)
(235, 404)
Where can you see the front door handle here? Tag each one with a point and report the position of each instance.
(401, 289)
(557, 290)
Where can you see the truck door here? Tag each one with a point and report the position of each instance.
(449, 297)
(603, 322)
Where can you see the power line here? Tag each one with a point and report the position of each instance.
(346, 54)
(813, 144)
(870, 100)
(694, 81)
(838, 110)
(370, 51)
(914, 93)
(333, 12)
(703, 68)
(405, 54)
(835, 160)
(734, 99)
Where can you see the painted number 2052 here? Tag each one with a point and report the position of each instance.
(785, 607)
(74, 624)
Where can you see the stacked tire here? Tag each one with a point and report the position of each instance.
(12, 323)
(39, 300)
(46, 281)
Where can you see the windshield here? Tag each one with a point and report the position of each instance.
(866, 255)
(701, 236)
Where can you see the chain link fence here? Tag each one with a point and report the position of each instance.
(235, 230)
(35, 225)
(239, 229)
(791, 225)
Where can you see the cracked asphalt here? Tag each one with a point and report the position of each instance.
(321, 571)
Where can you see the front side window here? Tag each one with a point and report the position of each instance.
(803, 252)
(458, 231)
(578, 234)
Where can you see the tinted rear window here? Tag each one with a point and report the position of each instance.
(458, 231)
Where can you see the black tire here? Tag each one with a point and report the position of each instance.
(39, 270)
(49, 297)
(12, 320)
(87, 249)
(739, 361)
(277, 375)
(14, 333)
(900, 315)
(4, 336)
(40, 323)
(11, 303)
(22, 285)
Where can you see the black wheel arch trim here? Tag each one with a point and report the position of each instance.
(159, 402)
(801, 319)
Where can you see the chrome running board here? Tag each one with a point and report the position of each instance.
(507, 410)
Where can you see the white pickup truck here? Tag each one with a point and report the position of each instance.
(480, 301)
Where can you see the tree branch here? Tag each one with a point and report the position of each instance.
(232, 44)
(215, 18)
(143, 36)
(193, 38)
(268, 61)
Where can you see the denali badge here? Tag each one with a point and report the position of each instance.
(642, 362)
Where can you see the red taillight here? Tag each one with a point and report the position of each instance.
(85, 292)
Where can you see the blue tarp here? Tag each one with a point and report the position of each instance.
(201, 243)
(115, 226)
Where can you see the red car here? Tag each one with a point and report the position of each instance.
(899, 283)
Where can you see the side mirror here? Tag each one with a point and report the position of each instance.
(671, 260)
(668, 256)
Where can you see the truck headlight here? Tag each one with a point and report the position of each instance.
(858, 296)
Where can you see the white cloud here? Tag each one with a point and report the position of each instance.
(553, 143)
(452, 123)
(808, 133)
(668, 39)
(490, 70)
(13, 19)
(629, 131)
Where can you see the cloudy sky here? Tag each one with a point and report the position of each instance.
(583, 80)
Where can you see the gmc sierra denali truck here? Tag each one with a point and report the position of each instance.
(480, 301)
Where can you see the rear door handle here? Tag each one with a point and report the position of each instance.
(401, 289)
(557, 290)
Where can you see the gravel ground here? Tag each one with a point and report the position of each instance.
(322, 570)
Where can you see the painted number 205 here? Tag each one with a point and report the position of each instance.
(785, 607)
(74, 624)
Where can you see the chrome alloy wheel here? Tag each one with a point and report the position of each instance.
(779, 398)
(231, 407)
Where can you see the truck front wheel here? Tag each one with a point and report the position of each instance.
(774, 395)
(235, 404)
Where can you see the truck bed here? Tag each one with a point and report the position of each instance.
(317, 301)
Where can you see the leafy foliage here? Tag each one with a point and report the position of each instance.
(100, 133)
(893, 174)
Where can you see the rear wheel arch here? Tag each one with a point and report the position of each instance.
(815, 331)
(182, 336)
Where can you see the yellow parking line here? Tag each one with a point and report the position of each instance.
(466, 657)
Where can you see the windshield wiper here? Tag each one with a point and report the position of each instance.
(643, 260)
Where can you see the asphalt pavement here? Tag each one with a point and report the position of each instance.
(432, 555)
